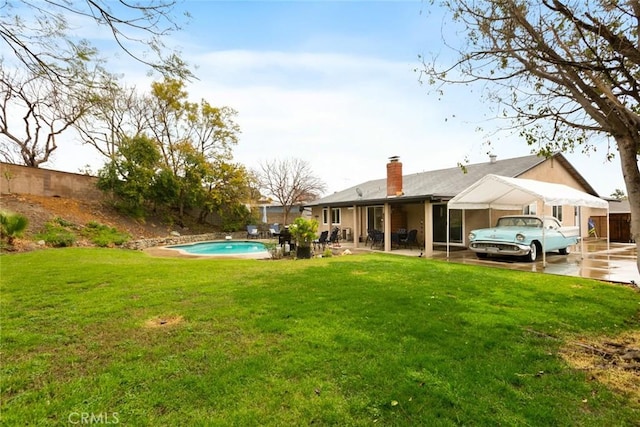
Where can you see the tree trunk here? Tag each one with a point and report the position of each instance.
(628, 149)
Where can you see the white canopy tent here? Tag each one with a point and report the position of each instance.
(500, 192)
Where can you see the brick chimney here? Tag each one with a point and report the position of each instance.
(394, 177)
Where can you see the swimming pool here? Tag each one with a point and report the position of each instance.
(227, 248)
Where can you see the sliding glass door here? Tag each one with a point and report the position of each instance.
(440, 225)
(375, 218)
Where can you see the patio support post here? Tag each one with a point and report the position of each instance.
(544, 254)
(356, 226)
(387, 227)
(329, 219)
(608, 231)
(447, 225)
(580, 232)
(428, 229)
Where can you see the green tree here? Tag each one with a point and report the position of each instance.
(131, 174)
(164, 189)
(172, 119)
(190, 172)
(227, 187)
(195, 140)
(618, 194)
(566, 73)
(193, 143)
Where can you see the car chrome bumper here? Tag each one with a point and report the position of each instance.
(499, 248)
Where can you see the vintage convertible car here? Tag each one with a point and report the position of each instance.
(523, 236)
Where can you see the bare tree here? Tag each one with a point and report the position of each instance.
(46, 82)
(37, 33)
(290, 182)
(33, 112)
(565, 72)
(117, 114)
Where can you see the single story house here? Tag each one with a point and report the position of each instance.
(419, 201)
(270, 212)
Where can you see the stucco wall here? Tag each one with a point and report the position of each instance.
(552, 171)
(46, 182)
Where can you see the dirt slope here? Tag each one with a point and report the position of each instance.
(39, 210)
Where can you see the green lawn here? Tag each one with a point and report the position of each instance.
(118, 336)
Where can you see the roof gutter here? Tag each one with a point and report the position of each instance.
(381, 201)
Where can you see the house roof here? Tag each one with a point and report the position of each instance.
(442, 184)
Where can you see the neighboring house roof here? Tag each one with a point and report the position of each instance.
(443, 184)
(619, 206)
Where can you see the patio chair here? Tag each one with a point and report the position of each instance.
(402, 233)
(369, 236)
(395, 239)
(252, 232)
(376, 237)
(322, 240)
(284, 237)
(411, 239)
(274, 230)
(335, 236)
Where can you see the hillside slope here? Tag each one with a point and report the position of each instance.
(39, 210)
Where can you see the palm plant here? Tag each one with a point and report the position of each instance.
(304, 232)
(12, 225)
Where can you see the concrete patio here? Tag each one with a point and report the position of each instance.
(615, 263)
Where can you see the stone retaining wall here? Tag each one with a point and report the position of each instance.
(181, 240)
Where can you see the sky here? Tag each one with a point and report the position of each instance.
(334, 83)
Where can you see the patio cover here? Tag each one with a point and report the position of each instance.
(501, 192)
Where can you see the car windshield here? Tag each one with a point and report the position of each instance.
(519, 222)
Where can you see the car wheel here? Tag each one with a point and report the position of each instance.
(481, 255)
(533, 253)
(565, 251)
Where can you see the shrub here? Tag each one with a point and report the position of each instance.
(274, 250)
(12, 225)
(103, 235)
(56, 235)
(63, 222)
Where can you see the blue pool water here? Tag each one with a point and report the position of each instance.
(233, 248)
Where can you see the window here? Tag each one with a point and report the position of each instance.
(532, 209)
(557, 212)
(335, 216)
